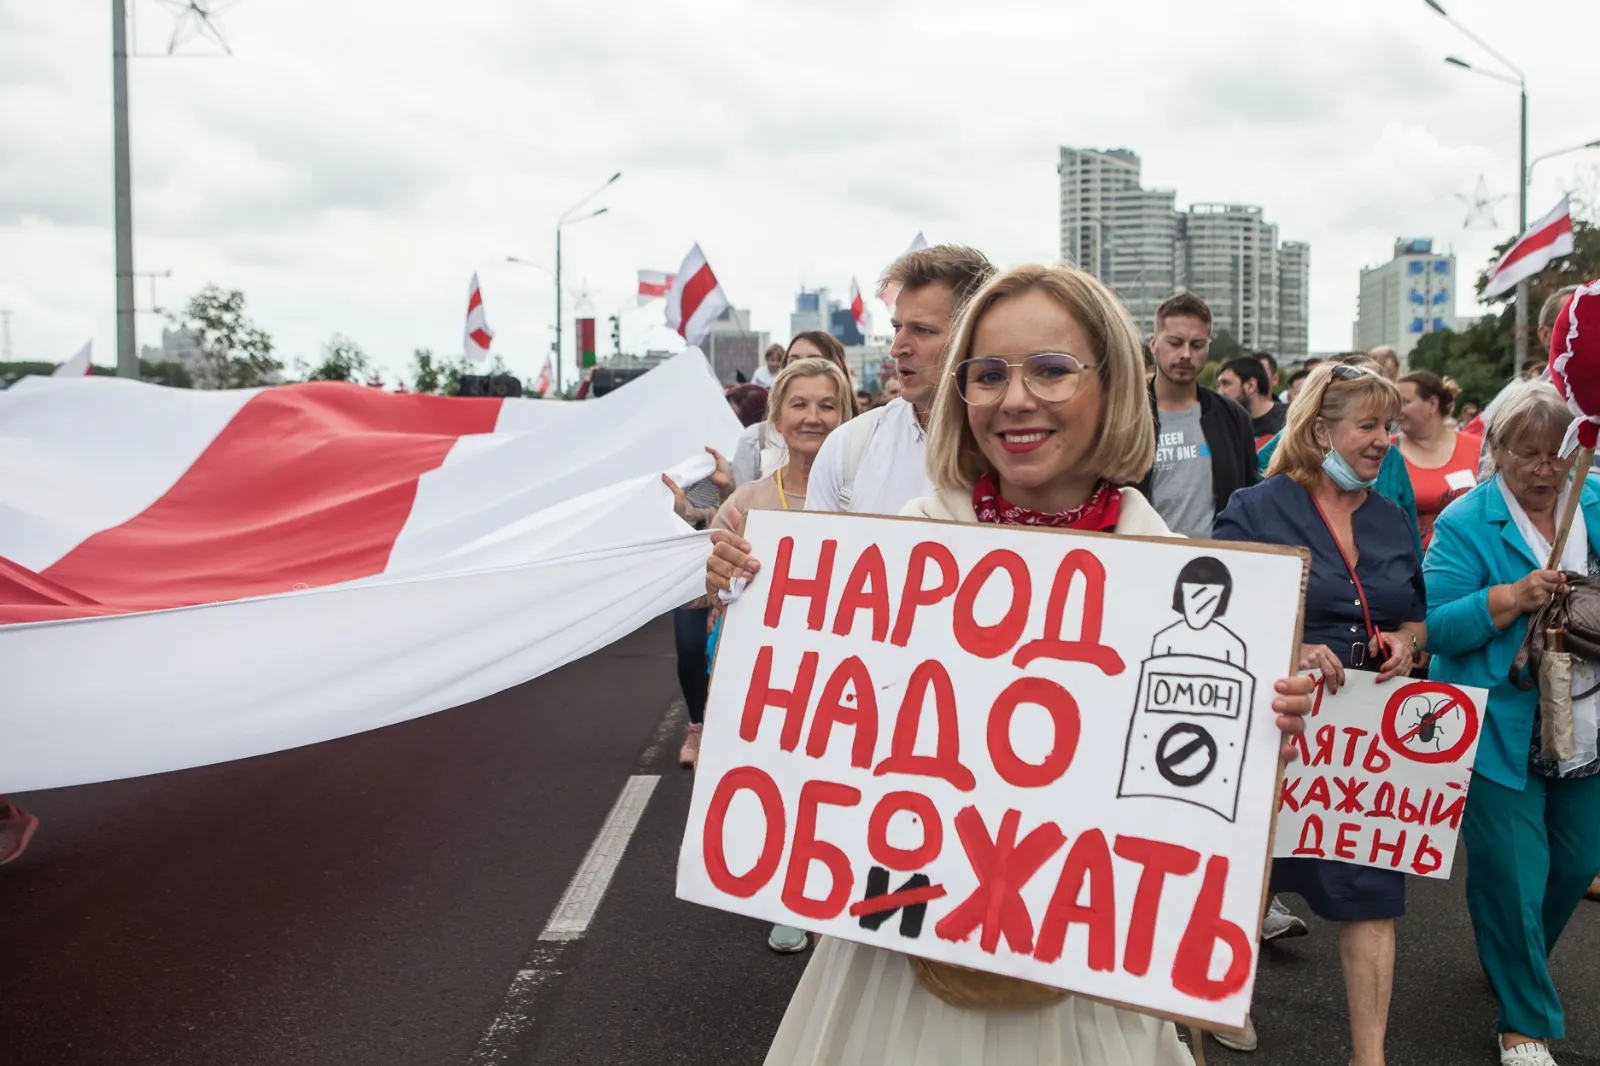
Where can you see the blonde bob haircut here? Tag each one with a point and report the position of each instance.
(843, 394)
(1324, 398)
(1125, 444)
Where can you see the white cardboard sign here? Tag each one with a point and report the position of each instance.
(1382, 776)
(1043, 754)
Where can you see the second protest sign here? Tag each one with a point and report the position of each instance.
(1043, 754)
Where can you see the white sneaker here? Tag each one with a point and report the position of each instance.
(1533, 1053)
(1281, 923)
(1245, 1041)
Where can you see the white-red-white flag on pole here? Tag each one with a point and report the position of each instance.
(78, 365)
(654, 285)
(1547, 240)
(889, 292)
(695, 299)
(478, 334)
(542, 386)
(858, 307)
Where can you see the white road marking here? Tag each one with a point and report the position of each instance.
(570, 920)
(516, 1013)
(671, 725)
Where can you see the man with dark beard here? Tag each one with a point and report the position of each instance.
(1204, 446)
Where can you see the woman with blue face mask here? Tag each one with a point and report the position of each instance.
(1364, 610)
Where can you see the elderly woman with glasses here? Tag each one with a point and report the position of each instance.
(1364, 611)
(1043, 411)
(1532, 824)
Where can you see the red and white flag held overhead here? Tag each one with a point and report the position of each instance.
(653, 285)
(78, 365)
(858, 307)
(695, 299)
(542, 386)
(889, 292)
(478, 334)
(1547, 240)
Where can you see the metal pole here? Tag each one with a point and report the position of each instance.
(1522, 227)
(558, 309)
(127, 356)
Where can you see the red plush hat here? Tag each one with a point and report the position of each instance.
(1575, 364)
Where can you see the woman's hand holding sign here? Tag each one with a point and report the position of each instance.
(1292, 704)
(730, 559)
(1318, 657)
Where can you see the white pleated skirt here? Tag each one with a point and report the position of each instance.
(862, 1006)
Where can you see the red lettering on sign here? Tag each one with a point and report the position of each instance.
(1324, 755)
(1310, 838)
(792, 702)
(1452, 813)
(1318, 793)
(1352, 740)
(746, 885)
(1383, 802)
(815, 588)
(1287, 798)
(991, 642)
(915, 593)
(1377, 760)
(1427, 858)
(1416, 814)
(1395, 850)
(808, 849)
(1003, 865)
(1087, 648)
(867, 589)
(1063, 710)
(1191, 967)
(1090, 860)
(1344, 845)
(945, 762)
(1350, 790)
(1160, 861)
(860, 712)
(886, 854)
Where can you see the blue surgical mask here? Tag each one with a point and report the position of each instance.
(1335, 467)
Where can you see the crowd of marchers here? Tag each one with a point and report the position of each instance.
(1029, 396)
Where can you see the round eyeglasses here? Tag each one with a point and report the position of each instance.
(1051, 376)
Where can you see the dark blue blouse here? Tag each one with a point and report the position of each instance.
(1279, 511)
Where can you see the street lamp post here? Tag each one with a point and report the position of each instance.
(1521, 82)
(570, 217)
(1559, 151)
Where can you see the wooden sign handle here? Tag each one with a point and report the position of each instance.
(1579, 473)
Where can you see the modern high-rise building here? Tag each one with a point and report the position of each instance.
(1294, 300)
(810, 311)
(1138, 242)
(1406, 298)
(734, 348)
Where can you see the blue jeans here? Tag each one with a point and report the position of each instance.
(689, 629)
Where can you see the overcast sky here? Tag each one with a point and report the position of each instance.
(354, 162)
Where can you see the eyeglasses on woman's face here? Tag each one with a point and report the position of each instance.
(1532, 461)
(1052, 377)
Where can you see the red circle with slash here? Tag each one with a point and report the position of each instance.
(1455, 698)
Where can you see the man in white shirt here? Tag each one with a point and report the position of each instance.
(767, 372)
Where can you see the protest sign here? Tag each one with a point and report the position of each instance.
(1044, 754)
(1383, 774)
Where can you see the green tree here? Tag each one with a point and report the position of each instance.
(234, 352)
(160, 373)
(1478, 359)
(342, 360)
(425, 371)
(1225, 346)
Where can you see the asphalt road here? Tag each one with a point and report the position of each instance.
(380, 901)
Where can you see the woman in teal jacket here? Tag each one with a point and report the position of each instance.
(1532, 824)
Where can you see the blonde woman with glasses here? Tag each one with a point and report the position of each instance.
(1041, 410)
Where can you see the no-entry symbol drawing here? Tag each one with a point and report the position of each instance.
(1430, 722)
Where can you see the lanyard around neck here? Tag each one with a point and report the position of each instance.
(783, 497)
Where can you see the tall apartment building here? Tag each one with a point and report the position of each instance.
(810, 312)
(733, 347)
(1138, 242)
(1410, 296)
(1294, 300)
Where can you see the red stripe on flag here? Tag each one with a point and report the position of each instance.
(1537, 241)
(480, 338)
(474, 301)
(695, 291)
(308, 485)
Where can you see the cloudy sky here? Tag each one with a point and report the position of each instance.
(354, 162)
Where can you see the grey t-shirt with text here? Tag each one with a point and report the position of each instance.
(1181, 484)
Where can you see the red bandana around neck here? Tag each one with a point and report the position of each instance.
(1097, 514)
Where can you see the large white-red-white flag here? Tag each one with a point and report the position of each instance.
(889, 292)
(858, 307)
(695, 299)
(1547, 240)
(78, 365)
(654, 285)
(255, 569)
(478, 334)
